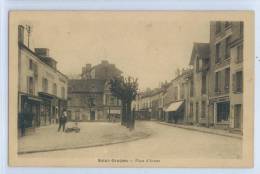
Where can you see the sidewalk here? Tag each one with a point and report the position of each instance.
(205, 130)
(91, 134)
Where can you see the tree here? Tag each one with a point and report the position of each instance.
(125, 89)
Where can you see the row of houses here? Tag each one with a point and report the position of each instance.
(90, 98)
(42, 88)
(210, 93)
(44, 92)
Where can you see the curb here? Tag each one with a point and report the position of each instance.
(204, 131)
(84, 146)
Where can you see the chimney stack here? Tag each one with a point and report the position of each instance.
(21, 34)
(42, 52)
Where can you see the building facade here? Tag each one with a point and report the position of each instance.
(102, 71)
(226, 74)
(199, 82)
(175, 98)
(90, 98)
(42, 89)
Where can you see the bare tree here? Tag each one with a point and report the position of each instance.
(125, 89)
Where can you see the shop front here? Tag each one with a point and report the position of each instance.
(175, 112)
(29, 112)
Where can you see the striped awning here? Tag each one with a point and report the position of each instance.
(174, 106)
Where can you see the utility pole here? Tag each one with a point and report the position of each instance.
(29, 31)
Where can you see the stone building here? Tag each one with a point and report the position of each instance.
(90, 98)
(103, 71)
(42, 88)
(175, 104)
(226, 72)
(198, 98)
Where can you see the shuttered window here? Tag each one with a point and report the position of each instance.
(203, 84)
(239, 53)
(227, 79)
(227, 47)
(237, 82)
(218, 54)
(217, 82)
(30, 85)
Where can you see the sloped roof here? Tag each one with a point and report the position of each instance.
(89, 85)
(202, 49)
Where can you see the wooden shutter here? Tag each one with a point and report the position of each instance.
(234, 82)
(28, 85)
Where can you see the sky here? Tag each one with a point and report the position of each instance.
(148, 46)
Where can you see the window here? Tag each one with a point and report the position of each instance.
(223, 111)
(218, 58)
(241, 29)
(203, 109)
(238, 82)
(30, 86)
(227, 24)
(182, 91)
(45, 85)
(63, 92)
(112, 101)
(218, 27)
(203, 84)
(227, 48)
(191, 109)
(30, 64)
(198, 64)
(227, 79)
(54, 89)
(239, 53)
(176, 93)
(217, 81)
(191, 87)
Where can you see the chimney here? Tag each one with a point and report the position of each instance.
(21, 34)
(88, 67)
(104, 62)
(42, 52)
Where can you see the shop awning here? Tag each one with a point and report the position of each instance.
(115, 111)
(47, 95)
(174, 106)
(34, 98)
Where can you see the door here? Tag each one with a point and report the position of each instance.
(92, 115)
(197, 112)
(237, 116)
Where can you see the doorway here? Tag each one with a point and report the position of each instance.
(238, 116)
(92, 115)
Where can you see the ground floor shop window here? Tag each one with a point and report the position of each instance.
(223, 110)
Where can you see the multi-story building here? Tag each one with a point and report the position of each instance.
(226, 49)
(103, 71)
(198, 96)
(42, 89)
(175, 104)
(90, 97)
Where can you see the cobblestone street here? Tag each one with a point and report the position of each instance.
(165, 142)
(91, 134)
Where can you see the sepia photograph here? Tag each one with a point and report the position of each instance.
(131, 89)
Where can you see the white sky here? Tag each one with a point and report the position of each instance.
(147, 46)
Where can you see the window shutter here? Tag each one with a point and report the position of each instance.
(28, 85)
(234, 82)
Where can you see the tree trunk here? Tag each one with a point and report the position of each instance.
(129, 115)
(123, 119)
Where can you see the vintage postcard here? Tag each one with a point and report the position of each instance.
(131, 88)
